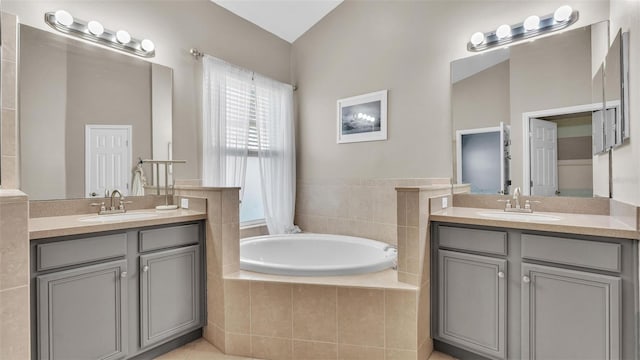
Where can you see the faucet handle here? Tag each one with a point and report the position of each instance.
(507, 202)
(101, 204)
(527, 203)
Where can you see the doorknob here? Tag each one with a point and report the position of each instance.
(526, 279)
(145, 268)
(93, 194)
(123, 274)
(500, 274)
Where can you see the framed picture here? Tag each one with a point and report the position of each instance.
(363, 118)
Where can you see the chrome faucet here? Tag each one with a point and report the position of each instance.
(113, 194)
(516, 197)
(104, 210)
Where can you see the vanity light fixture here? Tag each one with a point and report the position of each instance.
(532, 26)
(94, 31)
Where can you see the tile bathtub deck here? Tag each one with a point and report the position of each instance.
(202, 350)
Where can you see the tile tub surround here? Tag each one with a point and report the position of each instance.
(280, 320)
(14, 276)
(9, 117)
(222, 252)
(355, 207)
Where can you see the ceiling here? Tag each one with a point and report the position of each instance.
(287, 19)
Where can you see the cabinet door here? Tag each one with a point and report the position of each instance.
(169, 293)
(82, 313)
(472, 302)
(569, 314)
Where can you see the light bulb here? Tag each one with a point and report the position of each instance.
(562, 13)
(531, 23)
(123, 37)
(477, 38)
(147, 45)
(95, 28)
(503, 31)
(63, 18)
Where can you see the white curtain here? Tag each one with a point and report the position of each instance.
(226, 107)
(276, 152)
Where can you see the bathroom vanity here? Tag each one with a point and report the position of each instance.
(534, 290)
(116, 290)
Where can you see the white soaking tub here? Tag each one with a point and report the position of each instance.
(315, 255)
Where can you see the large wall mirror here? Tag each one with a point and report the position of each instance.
(87, 114)
(524, 116)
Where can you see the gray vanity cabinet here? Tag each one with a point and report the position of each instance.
(169, 293)
(72, 301)
(472, 301)
(569, 314)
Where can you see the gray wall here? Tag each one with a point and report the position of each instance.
(175, 27)
(405, 47)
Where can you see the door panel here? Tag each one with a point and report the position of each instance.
(544, 157)
(569, 314)
(472, 302)
(107, 159)
(169, 293)
(82, 313)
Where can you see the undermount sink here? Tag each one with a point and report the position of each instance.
(502, 215)
(118, 217)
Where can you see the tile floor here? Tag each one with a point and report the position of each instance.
(203, 350)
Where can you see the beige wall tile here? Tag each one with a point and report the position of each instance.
(238, 344)
(9, 78)
(408, 278)
(402, 248)
(9, 38)
(314, 313)
(219, 339)
(424, 313)
(413, 208)
(253, 231)
(230, 243)
(384, 232)
(385, 205)
(237, 306)
(308, 350)
(213, 243)
(340, 226)
(214, 206)
(207, 332)
(426, 350)
(360, 203)
(10, 177)
(230, 206)
(402, 208)
(413, 250)
(14, 245)
(271, 309)
(310, 223)
(9, 133)
(354, 352)
(361, 316)
(215, 301)
(401, 319)
(396, 354)
(14, 323)
(271, 348)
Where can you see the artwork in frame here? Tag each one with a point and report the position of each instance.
(363, 118)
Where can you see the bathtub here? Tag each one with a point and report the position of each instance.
(315, 255)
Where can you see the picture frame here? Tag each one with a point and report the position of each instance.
(362, 118)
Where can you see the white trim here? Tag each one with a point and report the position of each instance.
(362, 99)
(459, 134)
(526, 140)
(87, 151)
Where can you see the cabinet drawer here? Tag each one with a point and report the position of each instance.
(168, 237)
(583, 253)
(79, 251)
(492, 242)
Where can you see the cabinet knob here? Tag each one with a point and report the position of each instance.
(123, 274)
(526, 279)
(500, 274)
(145, 268)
